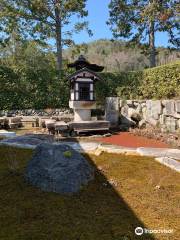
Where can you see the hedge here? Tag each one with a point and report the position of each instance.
(42, 89)
(161, 82)
(32, 89)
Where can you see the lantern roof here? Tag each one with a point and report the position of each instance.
(84, 73)
(82, 62)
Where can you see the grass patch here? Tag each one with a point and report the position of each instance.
(123, 195)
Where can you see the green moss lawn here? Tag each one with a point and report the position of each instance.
(128, 191)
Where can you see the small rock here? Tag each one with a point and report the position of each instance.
(113, 182)
(107, 135)
(157, 187)
(142, 124)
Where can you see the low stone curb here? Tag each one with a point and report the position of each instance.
(159, 152)
(117, 149)
(165, 156)
(169, 162)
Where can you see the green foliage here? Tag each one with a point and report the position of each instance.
(30, 80)
(161, 82)
(43, 21)
(10, 90)
(116, 56)
(157, 83)
(123, 84)
(138, 21)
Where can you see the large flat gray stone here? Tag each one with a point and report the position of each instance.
(81, 146)
(154, 109)
(177, 105)
(169, 107)
(159, 152)
(117, 149)
(112, 110)
(169, 162)
(7, 134)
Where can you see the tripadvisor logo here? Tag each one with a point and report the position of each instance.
(139, 231)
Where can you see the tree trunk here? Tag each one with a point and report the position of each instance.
(58, 39)
(152, 56)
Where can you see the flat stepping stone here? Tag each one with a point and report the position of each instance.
(82, 146)
(169, 162)
(7, 134)
(61, 126)
(159, 152)
(117, 149)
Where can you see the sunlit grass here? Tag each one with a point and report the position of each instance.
(128, 191)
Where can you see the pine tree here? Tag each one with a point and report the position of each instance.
(138, 21)
(43, 20)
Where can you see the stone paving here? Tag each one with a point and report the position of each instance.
(169, 162)
(159, 152)
(166, 156)
(7, 134)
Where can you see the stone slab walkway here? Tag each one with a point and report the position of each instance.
(7, 134)
(167, 156)
(159, 152)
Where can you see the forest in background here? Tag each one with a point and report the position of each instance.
(117, 56)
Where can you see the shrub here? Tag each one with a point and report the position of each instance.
(40, 88)
(157, 83)
(161, 82)
(29, 88)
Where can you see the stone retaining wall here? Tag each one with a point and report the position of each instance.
(126, 113)
(160, 113)
(34, 112)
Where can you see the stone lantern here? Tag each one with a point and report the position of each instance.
(82, 96)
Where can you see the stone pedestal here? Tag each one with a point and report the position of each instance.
(82, 115)
(82, 110)
(112, 111)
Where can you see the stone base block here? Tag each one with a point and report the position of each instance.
(82, 115)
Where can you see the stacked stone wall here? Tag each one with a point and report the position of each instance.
(159, 113)
(35, 112)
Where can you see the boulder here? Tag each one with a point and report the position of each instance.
(152, 122)
(136, 117)
(130, 103)
(58, 168)
(128, 122)
(131, 111)
(142, 124)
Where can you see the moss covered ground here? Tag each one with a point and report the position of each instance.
(128, 191)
